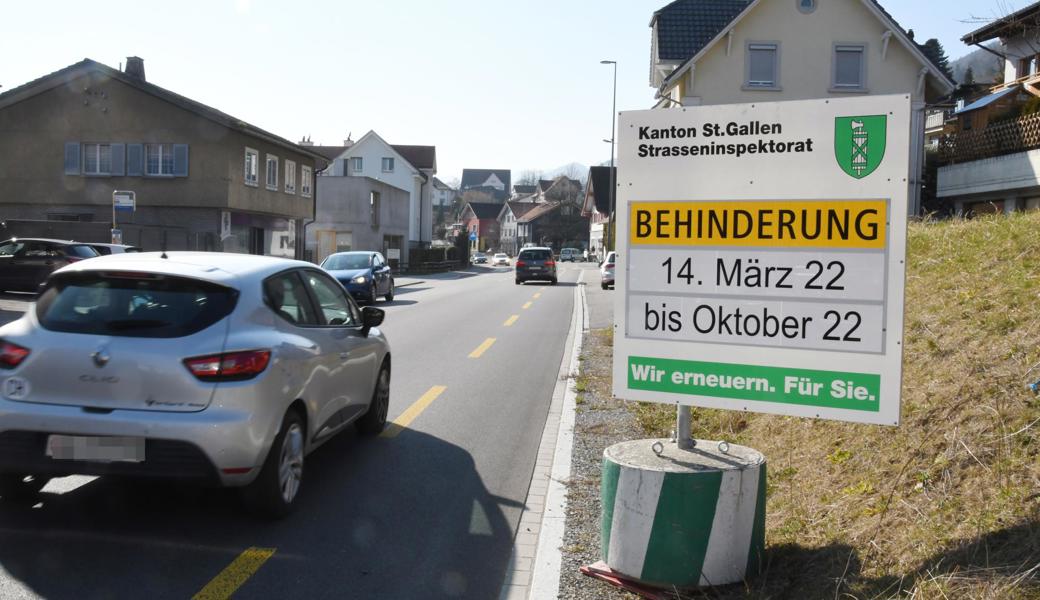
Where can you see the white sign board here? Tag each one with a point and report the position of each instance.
(393, 253)
(761, 257)
(124, 201)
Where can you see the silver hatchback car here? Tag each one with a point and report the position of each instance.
(214, 368)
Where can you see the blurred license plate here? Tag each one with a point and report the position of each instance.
(99, 449)
(536, 268)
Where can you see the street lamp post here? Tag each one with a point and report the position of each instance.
(613, 116)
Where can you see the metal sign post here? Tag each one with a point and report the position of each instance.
(125, 201)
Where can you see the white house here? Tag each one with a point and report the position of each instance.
(443, 194)
(409, 168)
(731, 52)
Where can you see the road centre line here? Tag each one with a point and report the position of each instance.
(234, 575)
(413, 411)
(509, 322)
(482, 348)
(526, 306)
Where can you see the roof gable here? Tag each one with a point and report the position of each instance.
(684, 27)
(88, 66)
(598, 190)
(494, 181)
(420, 157)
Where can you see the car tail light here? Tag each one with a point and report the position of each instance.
(229, 366)
(71, 259)
(550, 263)
(12, 355)
(610, 265)
(520, 264)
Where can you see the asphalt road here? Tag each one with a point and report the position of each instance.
(428, 511)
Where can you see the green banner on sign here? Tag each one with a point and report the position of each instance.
(829, 389)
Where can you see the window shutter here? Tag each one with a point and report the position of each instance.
(72, 158)
(134, 159)
(180, 160)
(118, 160)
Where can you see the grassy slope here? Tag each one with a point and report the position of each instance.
(947, 504)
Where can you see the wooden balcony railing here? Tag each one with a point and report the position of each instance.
(998, 139)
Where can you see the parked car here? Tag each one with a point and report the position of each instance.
(366, 275)
(570, 254)
(25, 263)
(606, 270)
(479, 258)
(221, 369)
(106, 249)
(535, 264)
(500, 259)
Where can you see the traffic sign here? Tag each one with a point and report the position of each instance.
(473, 236)
(762, 257)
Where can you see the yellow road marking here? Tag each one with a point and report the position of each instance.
(538, 295)
(238, 572)
(409, 415)
(526, 306)
(481, 349)
(509, 322)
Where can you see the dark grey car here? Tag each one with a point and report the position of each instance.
(25, 263)
(535, 264)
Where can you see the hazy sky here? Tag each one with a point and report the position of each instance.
(492, 84)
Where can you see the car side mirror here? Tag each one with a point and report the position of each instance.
(371, 317)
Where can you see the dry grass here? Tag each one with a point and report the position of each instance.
(948, 504)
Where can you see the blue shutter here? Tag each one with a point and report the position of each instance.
(72, 158)
(118, 159)
(180, 160)
(134, 160)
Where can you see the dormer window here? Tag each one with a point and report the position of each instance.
(806, 6)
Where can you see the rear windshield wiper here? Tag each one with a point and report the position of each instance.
(120, 324)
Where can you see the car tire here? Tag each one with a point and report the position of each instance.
(552, 282)
(374, 421)
(274, 492)
(389, 297)
(16, 486)
(603, 285)
(518, 282)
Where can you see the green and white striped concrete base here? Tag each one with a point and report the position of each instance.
(684, 518)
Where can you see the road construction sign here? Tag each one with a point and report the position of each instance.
(762, 257)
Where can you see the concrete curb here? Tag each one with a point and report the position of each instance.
(540, 535)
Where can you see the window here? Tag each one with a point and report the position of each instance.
(344, 241)
(806, 6)
(333, 306)
(252, 166)
(388, 165)
(356, 164)
(272, 172)
(763, 65)
(97, 159)
(849, 72)
(287, 297)
(305, 182)
(290, 177)
(373, 208)
(158, 159)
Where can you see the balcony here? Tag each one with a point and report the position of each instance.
(998, 139)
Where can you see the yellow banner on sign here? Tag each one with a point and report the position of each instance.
(787, 224)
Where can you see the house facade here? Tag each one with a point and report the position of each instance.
(508, 218)
(408, 168)
(443, 194)
(991, 162)
(728, 52)
(481, 218)
(203, 180)
(493, 182)
(359, 213)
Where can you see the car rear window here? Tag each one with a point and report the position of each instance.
(132, 304)
(535, 255)
(81, 251)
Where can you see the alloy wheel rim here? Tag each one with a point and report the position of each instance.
(384, 396)
(290, 464)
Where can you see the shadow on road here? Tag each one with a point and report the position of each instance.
(407, 517)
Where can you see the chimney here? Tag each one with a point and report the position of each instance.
(348, 142)
(135, 67)
(306, 141)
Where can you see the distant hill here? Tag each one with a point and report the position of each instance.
(985, 66)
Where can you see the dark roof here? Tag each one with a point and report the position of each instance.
(684, 27)
(420, 157)
(74, 71)
(599, 183)
(473, 179)
(329, 152)
(485, 210)
(1016, 23)
(521, 208)
(524, 189)
(545, 184)
(437, 183)
(539, 211)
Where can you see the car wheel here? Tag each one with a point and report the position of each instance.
(374, 421)
(389, 297)
(15, 486)
(274, 491)
(552, 282)
(603, 285)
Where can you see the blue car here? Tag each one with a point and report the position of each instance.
(366, 275)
